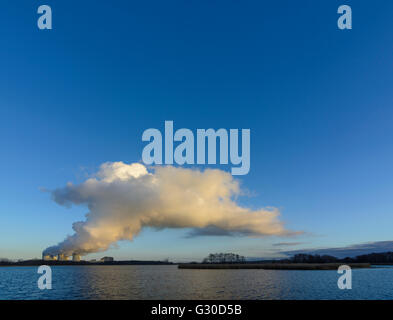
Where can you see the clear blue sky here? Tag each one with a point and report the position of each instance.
(318, 101)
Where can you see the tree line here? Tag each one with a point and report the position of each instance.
(224, 258)
(382, 257)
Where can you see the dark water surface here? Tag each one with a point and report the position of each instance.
(168, 282)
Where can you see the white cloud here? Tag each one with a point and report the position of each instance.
(124, 198)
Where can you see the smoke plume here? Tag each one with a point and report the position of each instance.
(124, 198)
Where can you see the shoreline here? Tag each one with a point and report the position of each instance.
(273, 266)
(35, 263)
(201, 266)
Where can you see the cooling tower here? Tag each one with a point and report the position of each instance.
(46, 257)
(76, 257)
(62, 257)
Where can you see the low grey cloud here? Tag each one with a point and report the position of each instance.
(216, 231)
(287, 244)
(349, 251)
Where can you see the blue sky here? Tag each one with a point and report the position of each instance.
(318, 101)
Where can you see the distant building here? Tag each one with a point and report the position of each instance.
(107, 259)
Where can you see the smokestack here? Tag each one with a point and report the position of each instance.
(76, 257)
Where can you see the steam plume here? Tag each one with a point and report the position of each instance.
(124, 198)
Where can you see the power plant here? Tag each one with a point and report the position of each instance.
(49, 257)
(74, 258)
(60, 257)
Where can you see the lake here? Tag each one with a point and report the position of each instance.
(169, 282)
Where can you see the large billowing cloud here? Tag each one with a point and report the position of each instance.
(124, 198)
